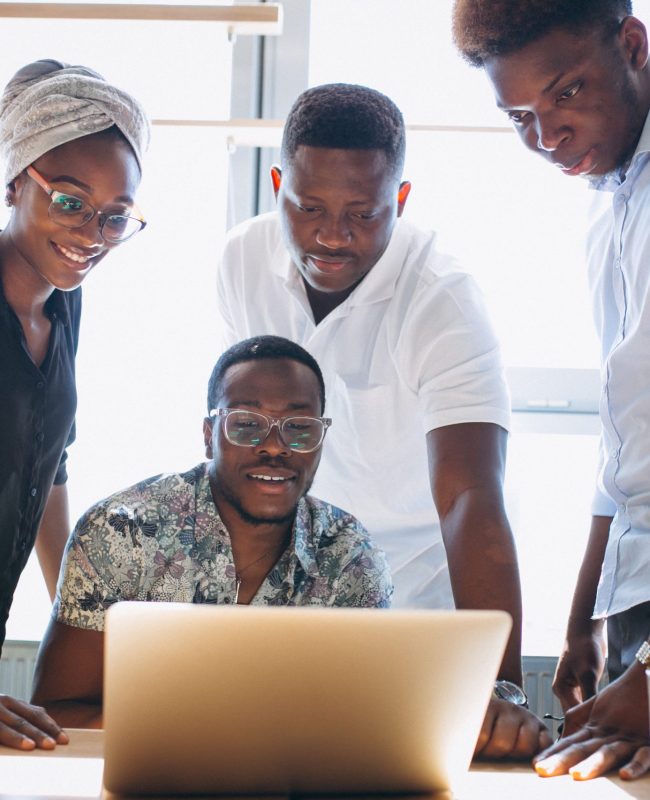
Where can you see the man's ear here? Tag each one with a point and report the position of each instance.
(402, 196)
(634, 40)
(207, 436)
(276, 179)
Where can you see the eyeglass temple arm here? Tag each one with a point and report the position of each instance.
(34, 175)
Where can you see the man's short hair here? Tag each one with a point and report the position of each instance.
(486, 28)
(260, 348)
(347, 117)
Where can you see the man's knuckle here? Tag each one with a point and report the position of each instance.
(499, 750)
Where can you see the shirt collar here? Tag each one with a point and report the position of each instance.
(55, 306)
(303, 542)
(612, 180)
(304, 539)
(4, 305)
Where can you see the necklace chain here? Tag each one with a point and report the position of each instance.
(240, 572)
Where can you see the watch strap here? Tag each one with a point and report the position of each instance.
(643, 655)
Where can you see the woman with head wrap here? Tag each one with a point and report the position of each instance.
(73, 146)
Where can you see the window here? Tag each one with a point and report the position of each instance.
(149, 333)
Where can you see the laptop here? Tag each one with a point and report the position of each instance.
(261, 700)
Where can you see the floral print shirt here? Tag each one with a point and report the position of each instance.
(163, 540)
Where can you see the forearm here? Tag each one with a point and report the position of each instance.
(584, 596)
(483, 565)
(52, 536)
(68, 675)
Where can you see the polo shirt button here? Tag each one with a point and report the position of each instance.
(33, 491)
(40, 436)
(40, 385)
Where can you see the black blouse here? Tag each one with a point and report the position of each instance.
(37, 410)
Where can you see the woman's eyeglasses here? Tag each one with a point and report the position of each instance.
(73, 212)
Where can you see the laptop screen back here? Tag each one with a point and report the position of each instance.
(219, 699)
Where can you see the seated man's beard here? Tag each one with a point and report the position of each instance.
(251, 519)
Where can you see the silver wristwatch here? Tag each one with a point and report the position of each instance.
(507, 690)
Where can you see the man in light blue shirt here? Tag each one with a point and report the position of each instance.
(573, 77)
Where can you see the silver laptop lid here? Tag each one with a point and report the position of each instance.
(219, 699)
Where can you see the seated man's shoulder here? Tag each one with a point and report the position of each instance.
(331, 527)
(125, 548)
(139, 508)
(344, 553)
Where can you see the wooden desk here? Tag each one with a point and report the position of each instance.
(74, 772)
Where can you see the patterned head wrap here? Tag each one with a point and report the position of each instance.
(48, 103)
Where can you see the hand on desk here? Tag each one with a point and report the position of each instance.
(607, 731)
(25, 727)
(511, 731)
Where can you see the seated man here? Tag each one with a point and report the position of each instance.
(239, 529)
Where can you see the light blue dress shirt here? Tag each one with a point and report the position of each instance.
(619, 276)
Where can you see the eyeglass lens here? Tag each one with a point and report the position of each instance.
(72, 212)
(250, 429)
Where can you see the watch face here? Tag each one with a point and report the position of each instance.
(509, 691)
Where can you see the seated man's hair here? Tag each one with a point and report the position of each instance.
(257, 349)
(486, 28)
(347, 117)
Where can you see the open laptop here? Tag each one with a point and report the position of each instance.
(254, 700)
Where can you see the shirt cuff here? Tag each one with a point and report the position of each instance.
(602, 505)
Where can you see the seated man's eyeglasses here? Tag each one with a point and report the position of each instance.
(73, 212)
(250, 429)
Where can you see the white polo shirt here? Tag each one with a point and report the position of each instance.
(410, 350)
(619, 275)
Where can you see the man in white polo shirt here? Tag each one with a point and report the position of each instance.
(411, 364)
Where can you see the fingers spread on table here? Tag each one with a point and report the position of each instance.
(604, 759)
(25, 726)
